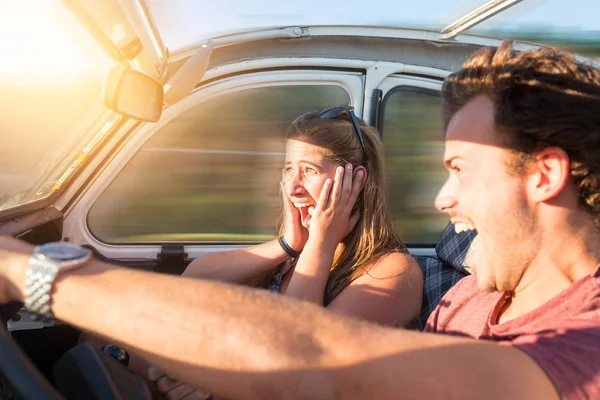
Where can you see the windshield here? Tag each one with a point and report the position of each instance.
(183, 22)
(50, 85)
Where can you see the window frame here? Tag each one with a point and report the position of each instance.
(416, 84)
(76, 222)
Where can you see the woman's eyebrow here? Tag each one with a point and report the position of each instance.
(312, 164)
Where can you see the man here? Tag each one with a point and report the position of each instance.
(523, 151)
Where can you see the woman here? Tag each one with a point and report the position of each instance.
(337, 246)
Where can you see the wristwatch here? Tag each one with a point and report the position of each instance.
(47, 261)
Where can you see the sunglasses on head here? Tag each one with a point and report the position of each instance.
(336, 112)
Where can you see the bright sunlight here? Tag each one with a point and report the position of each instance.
(43, 40)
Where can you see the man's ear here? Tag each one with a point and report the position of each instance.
(549, 174)
(364, 178)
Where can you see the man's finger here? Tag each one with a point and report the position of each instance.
(166, 384)
(197, 395)
(185, 392)
(155, 374)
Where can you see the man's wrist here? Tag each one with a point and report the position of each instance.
(17, 272)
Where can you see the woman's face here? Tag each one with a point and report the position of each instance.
(304, 173)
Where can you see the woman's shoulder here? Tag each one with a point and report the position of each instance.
(393, 264)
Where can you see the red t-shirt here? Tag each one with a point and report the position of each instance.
(562, 336)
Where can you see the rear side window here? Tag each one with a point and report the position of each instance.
(212, 173)
(413, 143)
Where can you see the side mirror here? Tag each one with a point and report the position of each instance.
(133, 94)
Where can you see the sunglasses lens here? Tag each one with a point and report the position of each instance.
(334, 112)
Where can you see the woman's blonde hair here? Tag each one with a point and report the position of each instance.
(374, 235)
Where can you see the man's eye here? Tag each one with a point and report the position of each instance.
(310, 171)
(288, 171)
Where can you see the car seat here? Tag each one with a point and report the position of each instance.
(444, 270)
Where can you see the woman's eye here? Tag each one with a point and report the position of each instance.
(288, 171)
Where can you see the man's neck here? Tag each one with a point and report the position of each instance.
(566, 255)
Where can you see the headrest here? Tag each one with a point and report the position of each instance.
(453, 247)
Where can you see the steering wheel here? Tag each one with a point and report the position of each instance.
(18, 373)
(82, 372)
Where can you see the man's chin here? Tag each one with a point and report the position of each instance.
(484, 283)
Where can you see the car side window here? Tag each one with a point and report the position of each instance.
(412, 131)
(210, 174)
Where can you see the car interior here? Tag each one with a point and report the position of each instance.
(80, 370)
(154, 184)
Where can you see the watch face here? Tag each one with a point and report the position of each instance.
(63, 251)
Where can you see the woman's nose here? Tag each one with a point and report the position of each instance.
(294, 183)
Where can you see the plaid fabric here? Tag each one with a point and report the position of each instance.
(444, 271)
(438, 278)
(452, 247)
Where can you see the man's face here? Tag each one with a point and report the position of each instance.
(481, 194)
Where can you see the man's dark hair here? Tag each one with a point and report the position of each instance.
(543, 98)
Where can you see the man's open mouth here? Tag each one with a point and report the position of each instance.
(463, 226)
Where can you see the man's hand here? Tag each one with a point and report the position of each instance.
(14, 259)
(172, 389)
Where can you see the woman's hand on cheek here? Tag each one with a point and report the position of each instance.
(295, 234)
(334, 216)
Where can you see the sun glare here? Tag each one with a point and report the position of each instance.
(40, 39)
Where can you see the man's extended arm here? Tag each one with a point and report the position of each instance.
(250, 344)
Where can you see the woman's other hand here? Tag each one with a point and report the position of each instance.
(295, 234)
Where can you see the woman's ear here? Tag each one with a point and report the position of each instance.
(364, 175)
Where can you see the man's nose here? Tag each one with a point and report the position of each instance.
(446, 199)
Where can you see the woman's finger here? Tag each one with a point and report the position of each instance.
(334, 199)
(347, 186)
(356, 187)
(323, 197)
(287, 203)
(354, 218)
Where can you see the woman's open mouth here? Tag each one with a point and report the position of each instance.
(306, 210)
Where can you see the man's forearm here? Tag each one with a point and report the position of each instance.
(205, 333)
(250, 344)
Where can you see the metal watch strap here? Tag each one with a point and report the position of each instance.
(40, 278)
